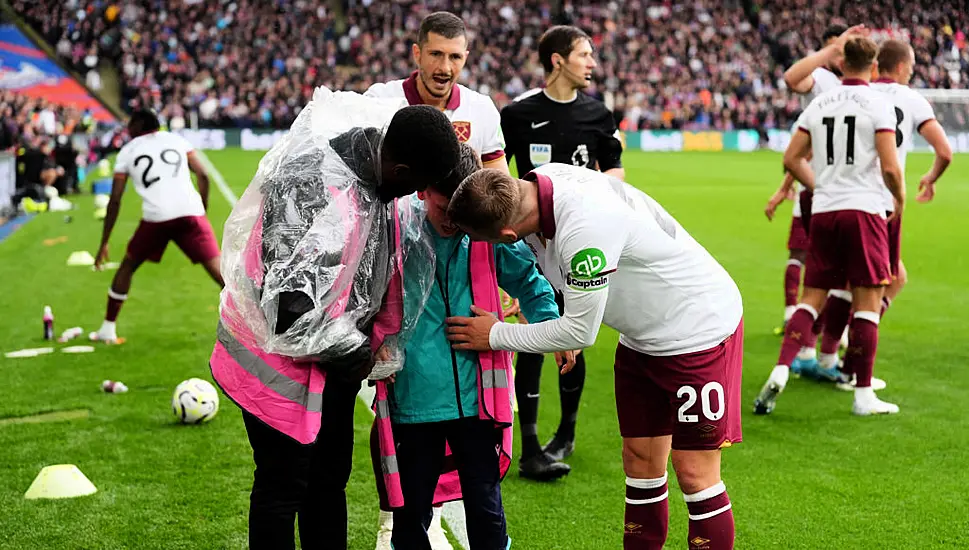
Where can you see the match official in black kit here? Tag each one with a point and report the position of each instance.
(557, 123)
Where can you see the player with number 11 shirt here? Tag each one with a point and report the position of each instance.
(160, 165)
(850, 133)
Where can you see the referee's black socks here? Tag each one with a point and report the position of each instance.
(570, 392)
(528, 377)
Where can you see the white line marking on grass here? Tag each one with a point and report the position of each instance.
(453, 512)
(230, 197)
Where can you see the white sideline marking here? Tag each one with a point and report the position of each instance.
(230, 197)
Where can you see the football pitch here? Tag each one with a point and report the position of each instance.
(808, 476)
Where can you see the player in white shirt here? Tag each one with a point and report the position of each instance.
(850, 134)
(816, 74)
(810, 77)
(160, 165)
(913, 114)
(440, 54)
(621, 259)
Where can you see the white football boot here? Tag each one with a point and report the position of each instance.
(867, 403)
(775, 384)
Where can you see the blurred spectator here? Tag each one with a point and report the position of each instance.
(43, 138)
(35, 169)
(24, 117)
(703, 64)
(65, 157)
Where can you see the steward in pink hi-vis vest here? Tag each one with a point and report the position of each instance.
(285, 393)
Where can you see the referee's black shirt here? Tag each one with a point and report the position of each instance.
(539, 130)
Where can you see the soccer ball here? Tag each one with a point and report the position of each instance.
(195, 401)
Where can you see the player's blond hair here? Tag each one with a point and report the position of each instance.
(860, 53)
(486, 202)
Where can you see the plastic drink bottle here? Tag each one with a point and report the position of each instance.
(48, 323)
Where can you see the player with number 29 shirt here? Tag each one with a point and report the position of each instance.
(623, 261)
(160, 164)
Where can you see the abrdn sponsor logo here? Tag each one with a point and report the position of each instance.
(587, 270)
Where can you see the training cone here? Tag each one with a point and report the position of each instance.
(60, 481)
(81, 257)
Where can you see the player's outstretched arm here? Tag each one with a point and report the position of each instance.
(795, 158)
(798, 77)
(201, 177)
(891, 170)
(114, 207)
(576, 330)
(933, 133)
(586, 295)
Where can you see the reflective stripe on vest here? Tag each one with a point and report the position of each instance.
(388, 465)
(268, 376)
(498, 379)
(383, 409)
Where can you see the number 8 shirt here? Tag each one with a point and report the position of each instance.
(157, 163)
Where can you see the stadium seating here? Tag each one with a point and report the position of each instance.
(704, 64)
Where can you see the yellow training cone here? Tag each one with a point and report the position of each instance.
(60, 481)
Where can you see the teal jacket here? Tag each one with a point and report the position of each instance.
(438, 383)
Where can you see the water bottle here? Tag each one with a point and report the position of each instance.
(48, 323)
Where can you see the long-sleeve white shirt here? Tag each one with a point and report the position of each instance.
(622, 260)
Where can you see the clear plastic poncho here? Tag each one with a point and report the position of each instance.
(309, 249)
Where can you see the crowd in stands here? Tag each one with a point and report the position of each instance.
(25, 120)
(703, 64)
(50, 143)
(936, 28)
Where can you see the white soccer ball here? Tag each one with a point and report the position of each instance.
(195, 401)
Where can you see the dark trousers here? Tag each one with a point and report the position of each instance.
(306, 480)
(420, 458)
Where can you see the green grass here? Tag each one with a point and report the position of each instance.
(809, 476)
